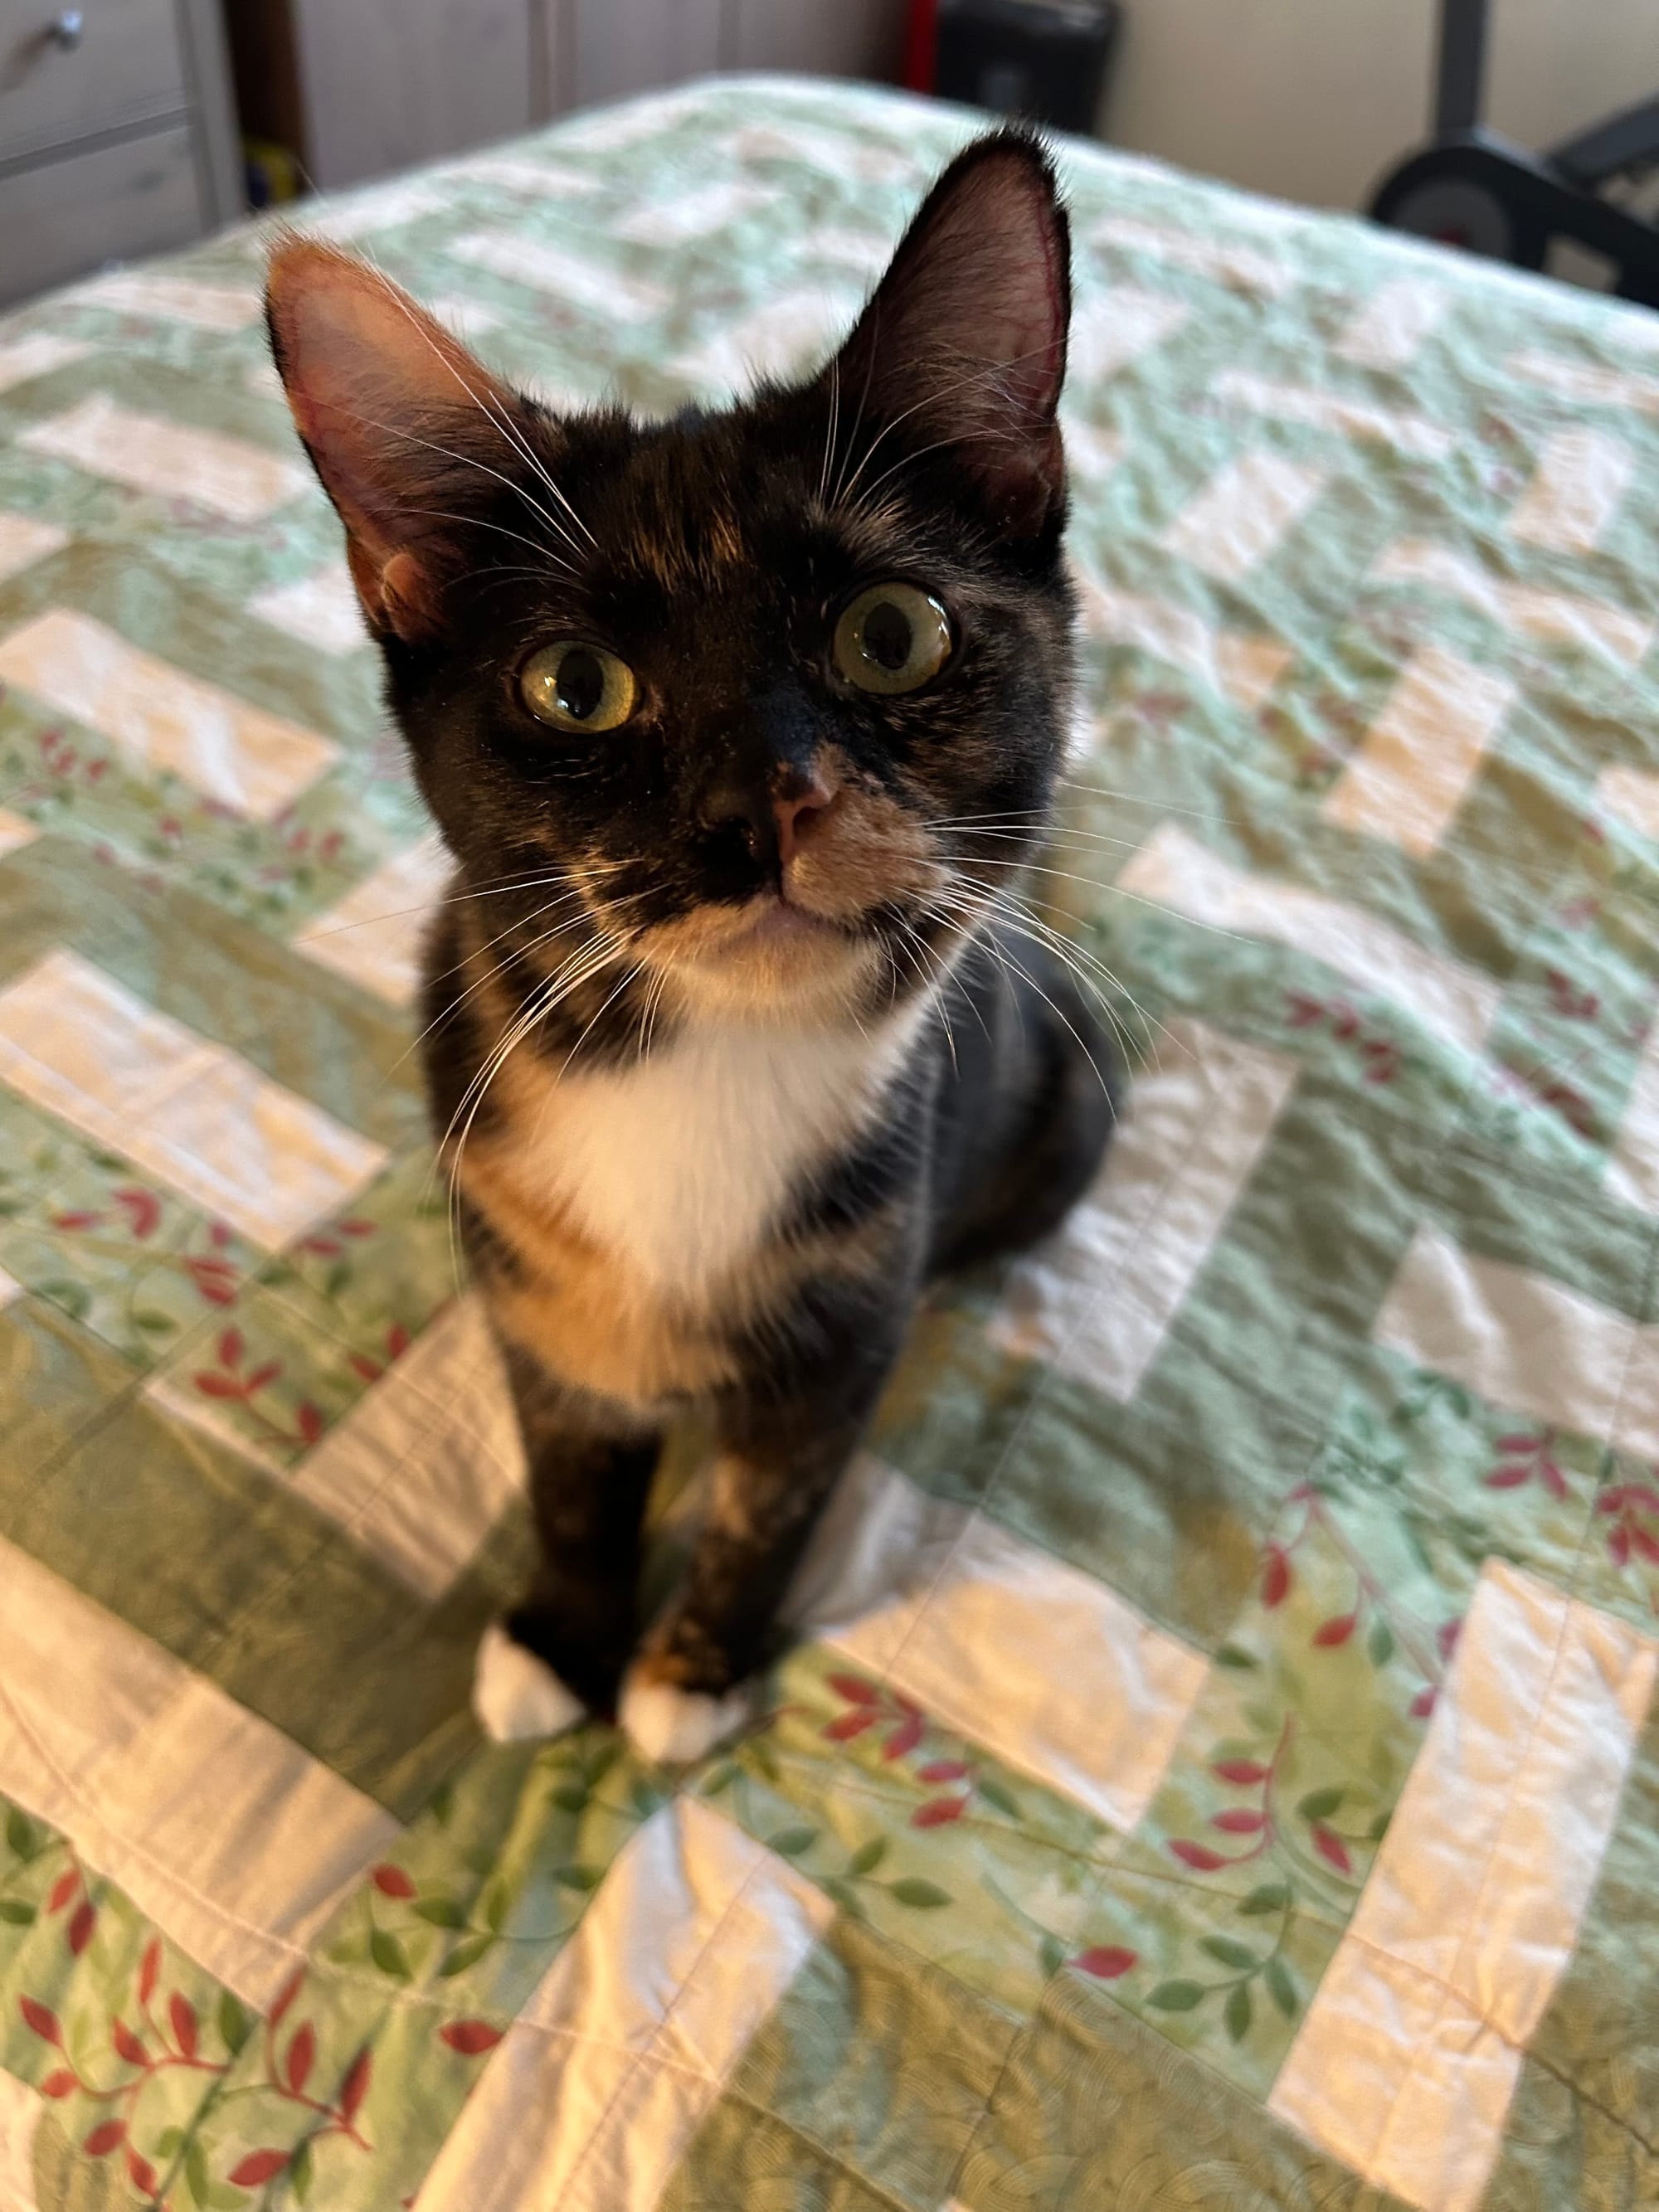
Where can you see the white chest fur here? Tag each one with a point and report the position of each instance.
(682, 1164)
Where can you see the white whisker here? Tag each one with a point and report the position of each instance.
(508, 430)
(985, 373)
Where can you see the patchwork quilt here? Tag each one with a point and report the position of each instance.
(1219, 1768)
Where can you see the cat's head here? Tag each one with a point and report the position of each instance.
(769, 699)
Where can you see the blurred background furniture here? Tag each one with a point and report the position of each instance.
(118, 134)
(1310, 101)
(1472, 189)
(359, 88)
(1296, 98)
(1045, 60)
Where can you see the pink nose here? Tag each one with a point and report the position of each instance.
(797, 812)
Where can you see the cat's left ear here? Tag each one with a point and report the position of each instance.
(964, 342)
(410, 434)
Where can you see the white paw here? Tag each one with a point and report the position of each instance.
(516, 1696)
(673, 1727)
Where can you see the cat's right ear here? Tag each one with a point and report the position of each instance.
(403, 425)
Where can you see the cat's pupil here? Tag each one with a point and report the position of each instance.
(581, 684)
(888, 637)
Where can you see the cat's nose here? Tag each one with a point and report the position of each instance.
(796, 808)
(775, 815)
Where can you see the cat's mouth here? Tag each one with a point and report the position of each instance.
(859, 908)
(777, 919)
(770, 957)
(770, 933)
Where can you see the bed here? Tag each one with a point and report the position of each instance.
(1218, 1768)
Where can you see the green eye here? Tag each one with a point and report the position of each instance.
(578, 687)
(892, 638)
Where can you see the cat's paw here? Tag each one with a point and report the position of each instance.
(516, 1696)
(672, 1727)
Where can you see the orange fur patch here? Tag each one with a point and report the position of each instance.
(865, 849)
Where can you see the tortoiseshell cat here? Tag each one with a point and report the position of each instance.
(738, 726)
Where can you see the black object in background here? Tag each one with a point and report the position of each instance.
(1469, 188)
(1046, 59)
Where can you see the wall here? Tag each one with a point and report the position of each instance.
(1311, 99)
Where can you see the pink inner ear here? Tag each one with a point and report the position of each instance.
(993, 284)
(966, 335)
(375, 386)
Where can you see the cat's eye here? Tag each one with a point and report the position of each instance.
(891, 638)
(578, 687)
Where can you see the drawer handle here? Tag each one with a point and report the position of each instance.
(65, 30)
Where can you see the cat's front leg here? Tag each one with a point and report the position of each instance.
(560, 1654)
(779, 1460)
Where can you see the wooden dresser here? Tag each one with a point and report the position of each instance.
(118, 136)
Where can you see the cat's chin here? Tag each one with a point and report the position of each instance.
(773, 926)
(775, 962)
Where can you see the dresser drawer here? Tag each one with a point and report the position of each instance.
(123, 64)
(59, 219)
